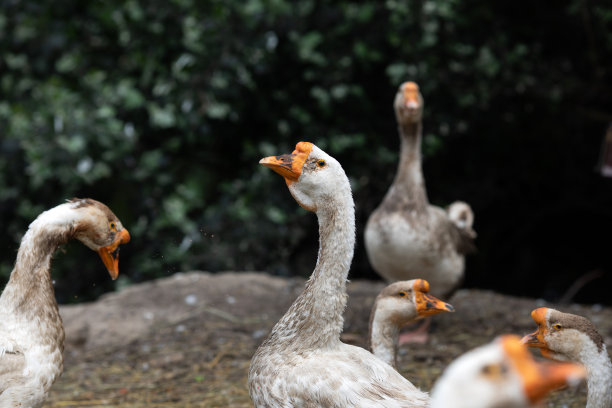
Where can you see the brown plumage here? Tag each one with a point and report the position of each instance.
(565, 336)
(406, 237)
(31, 330)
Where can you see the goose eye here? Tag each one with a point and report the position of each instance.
(557, 326)
(112, 225)
(321, 163)
(494, 370)
(402, 293)
(488, 369)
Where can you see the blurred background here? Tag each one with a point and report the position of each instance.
(162, 109)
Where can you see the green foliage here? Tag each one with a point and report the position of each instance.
(162, 110)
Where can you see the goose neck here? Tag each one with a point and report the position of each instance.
(383, 338)
(315, 319)
(409, 182)
(30, 288)
(599, 379)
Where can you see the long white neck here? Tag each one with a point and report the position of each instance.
(599, 376)
(315, 318)
(29, 292)
(383, 337)
(408, 188)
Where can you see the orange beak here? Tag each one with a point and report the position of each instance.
(411, 95)
(537, 339)
(551, 376)
(427, 304)
(289, 165)
(539, 378)
(110, 253)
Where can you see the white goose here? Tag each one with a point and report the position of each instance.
(500, 374)
(303, 363)
(406, 237)
(462, 215)
(31, 330)
(565, 336)
(395, 306)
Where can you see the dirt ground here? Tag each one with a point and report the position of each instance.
(186, 341)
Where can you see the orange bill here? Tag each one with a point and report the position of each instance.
(411, 94)
(537, 339)
(110, 253)
(539, 378)
(289, 165)
(427, 304)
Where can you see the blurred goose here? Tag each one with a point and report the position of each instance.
(396, 305)
(565, 336)
(406, 237)
(500, 374)
(31, 330)
(462, 215)
(303, 362)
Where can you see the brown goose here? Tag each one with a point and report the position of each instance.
(406, 237)
(31, 330)
(395, 306)
(303, 363)
(500, 374)
(565, 336)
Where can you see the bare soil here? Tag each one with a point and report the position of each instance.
(187, 340)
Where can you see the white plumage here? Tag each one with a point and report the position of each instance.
(500, 374)
(303, 363)
(31, 331)
(406, 237)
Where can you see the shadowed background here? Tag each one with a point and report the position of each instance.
(162, 109)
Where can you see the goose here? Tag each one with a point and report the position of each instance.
(460, 213)
(302, 362)
(31, 330)
(406, 237)
(396, 305)
(500, 374)
(565, 336)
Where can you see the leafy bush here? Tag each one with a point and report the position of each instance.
(162, 110)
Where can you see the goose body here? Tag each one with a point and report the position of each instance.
(31, 330)
(565, 336)
(500, 374)
(303, 363)
(397, 305)
(406, 237)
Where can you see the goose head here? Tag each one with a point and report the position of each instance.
(408, 104)
(313, 176)
(461, 214)
(404, 301)
(501, 374)
(100, 230)
(562, 336)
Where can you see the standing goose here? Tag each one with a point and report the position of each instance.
(406, 237)
(565, 336)
(31, 330)
(303, 363)
(500, 374)
(395, 306)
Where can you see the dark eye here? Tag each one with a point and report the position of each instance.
(112, 225)
(494, 370)
(402, 293)
(321, 163)
(557, 326)
(488, 369)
